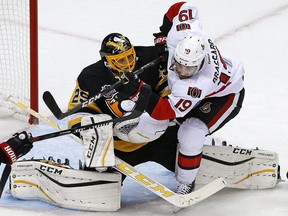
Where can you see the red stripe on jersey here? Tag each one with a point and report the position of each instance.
(163, 110)
(224, 78)
(221, 89)
(174, 10)
(222, 111)
(221, 59)
(189, 162)
(138, 90)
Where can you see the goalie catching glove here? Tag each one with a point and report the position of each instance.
(17, 146)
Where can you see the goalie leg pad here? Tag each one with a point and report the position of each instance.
(98, 142)
(241, 168)
(64, 187)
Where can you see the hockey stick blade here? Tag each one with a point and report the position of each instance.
(51, 104)
(179, 201)
(201, 194)
(54, 108)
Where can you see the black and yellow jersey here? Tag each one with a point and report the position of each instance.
(96, 77)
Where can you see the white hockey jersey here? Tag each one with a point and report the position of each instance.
(219, 75)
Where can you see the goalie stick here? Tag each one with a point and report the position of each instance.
(4, 177)
(54, 108)
(160, 190)
(78, 129)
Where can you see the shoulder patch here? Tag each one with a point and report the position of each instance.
(194, 92)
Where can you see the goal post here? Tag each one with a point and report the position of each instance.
(34, 104)
(19, 53)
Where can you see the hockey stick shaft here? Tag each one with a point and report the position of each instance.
(54, 108)
(78, 129)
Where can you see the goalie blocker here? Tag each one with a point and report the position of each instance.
(98, 143)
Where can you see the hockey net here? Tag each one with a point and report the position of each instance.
(19, 53)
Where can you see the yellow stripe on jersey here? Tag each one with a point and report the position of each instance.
(79, 96)
(125, 146)
(74, 122)
(165, 93)
(163, 78)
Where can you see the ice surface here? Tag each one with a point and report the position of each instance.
(255, 31)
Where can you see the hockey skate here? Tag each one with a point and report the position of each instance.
(185, 189)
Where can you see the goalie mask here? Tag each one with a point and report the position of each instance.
(118, 53)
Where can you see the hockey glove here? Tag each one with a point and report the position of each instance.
(132, 87)
(17, 146)
(160, 43)
(160, 39)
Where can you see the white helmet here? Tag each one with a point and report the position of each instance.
(190, 51)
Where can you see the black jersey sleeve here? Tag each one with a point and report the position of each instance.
(155, 76)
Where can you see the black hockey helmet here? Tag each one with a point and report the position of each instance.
(118, 53)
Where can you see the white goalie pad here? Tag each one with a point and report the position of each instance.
(98, 142)
(241, 168)
(65, 187)
(140, 130)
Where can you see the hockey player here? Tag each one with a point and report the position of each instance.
(206, 87)
(117, 56)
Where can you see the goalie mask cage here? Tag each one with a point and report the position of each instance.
(19, 53)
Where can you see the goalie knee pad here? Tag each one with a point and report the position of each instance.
(140, 130)
(63, 186)
(98, 142)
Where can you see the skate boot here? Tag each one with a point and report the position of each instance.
(185, 189)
